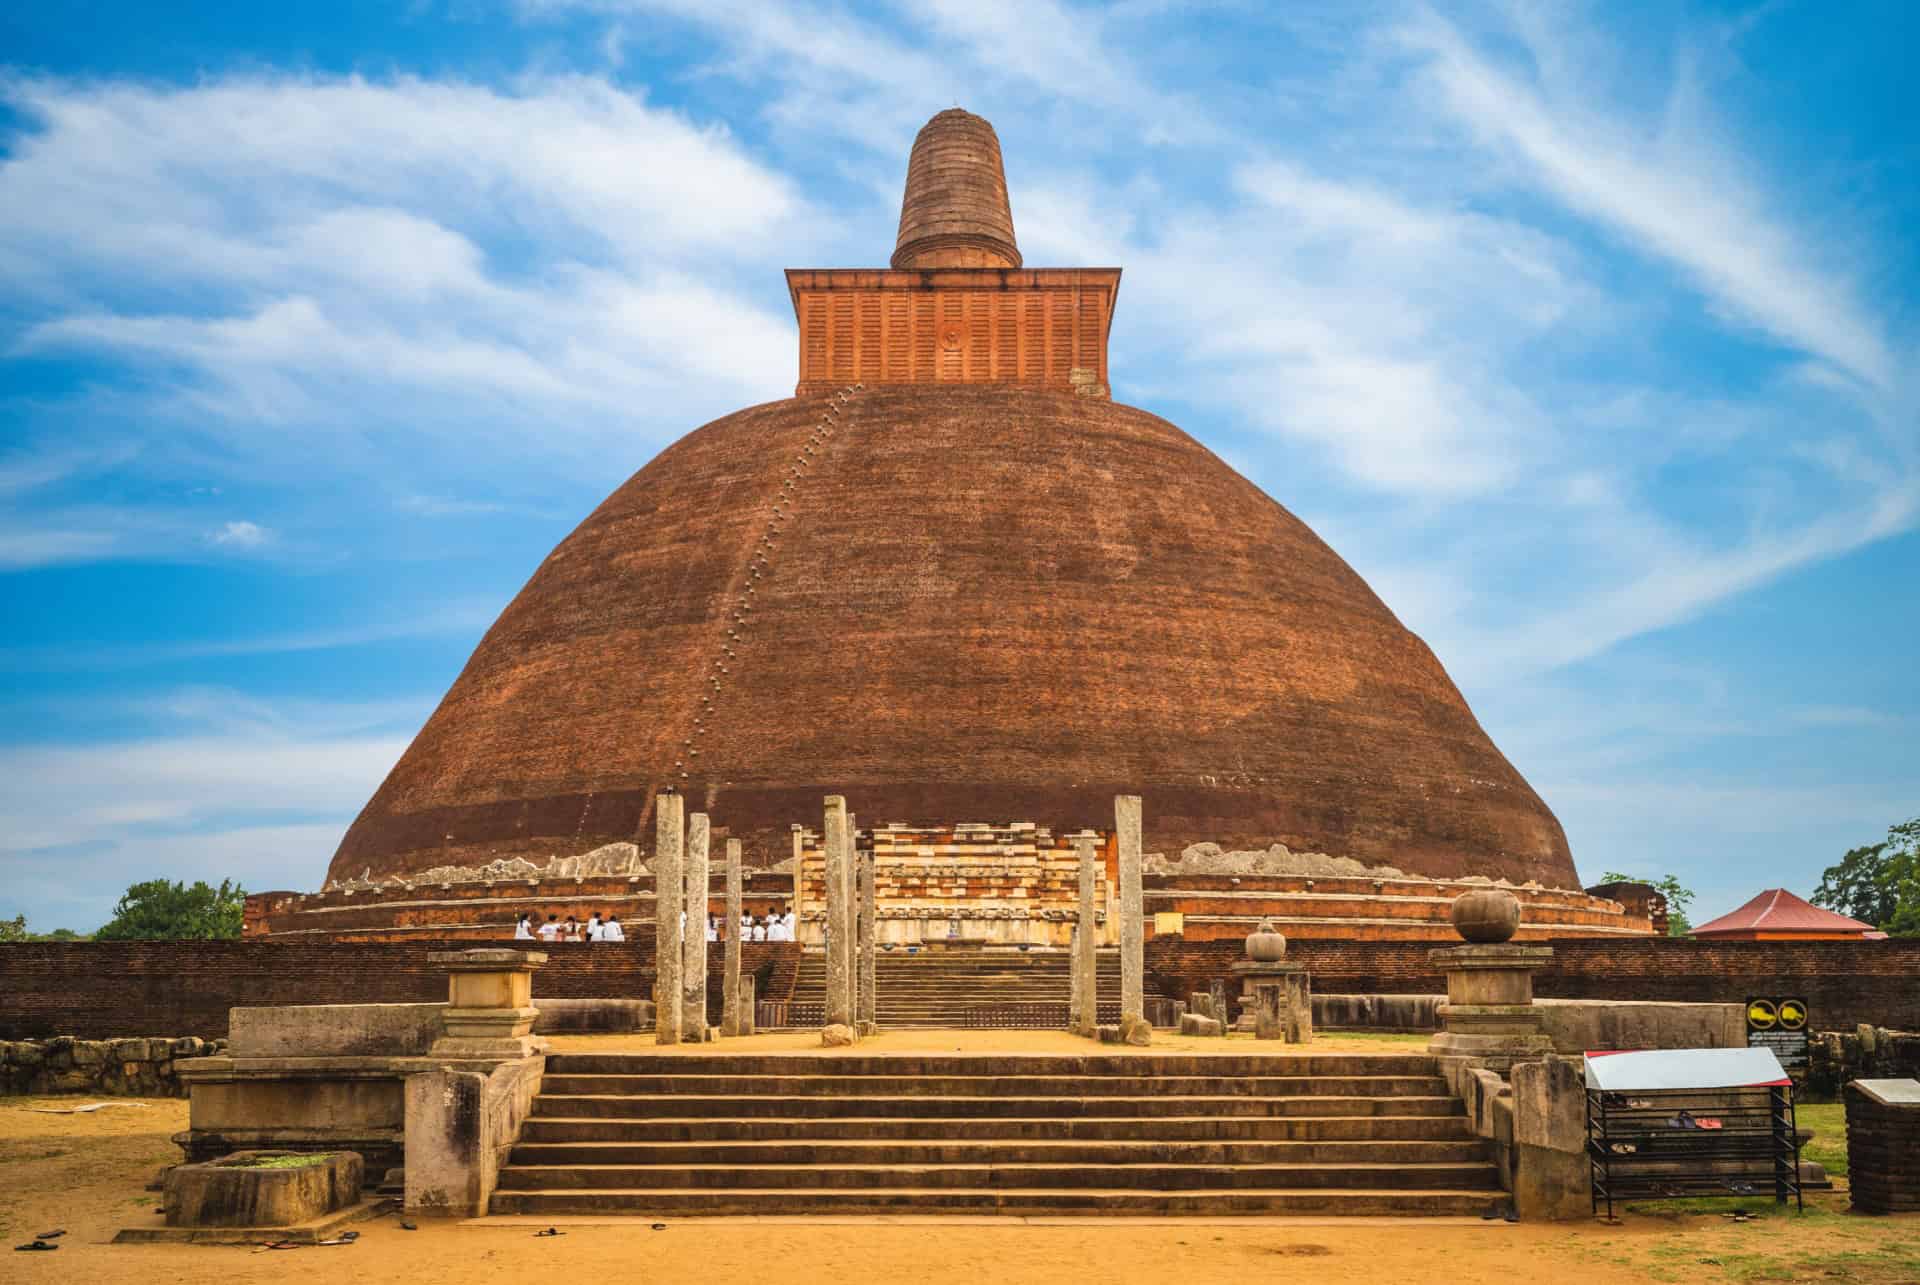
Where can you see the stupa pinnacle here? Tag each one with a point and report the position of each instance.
(955, 213)
(954, 582)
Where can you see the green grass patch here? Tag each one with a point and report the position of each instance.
(291, 1160)
(1828, 1120)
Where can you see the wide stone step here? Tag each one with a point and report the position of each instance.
(1083, 1064)
(989, 1086)
(640, 1202)
(561, 1129)
(633, 1106)
(996, 1153)
(1158, 1177)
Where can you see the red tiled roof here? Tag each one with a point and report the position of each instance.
(1777, 910)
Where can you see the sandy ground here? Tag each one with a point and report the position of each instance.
(87, 1173)
(1001, 1042)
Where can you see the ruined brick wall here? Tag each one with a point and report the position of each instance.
(1845, 983)
(106, 990)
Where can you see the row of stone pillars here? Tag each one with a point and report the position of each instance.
(680, 874)
(852, 962)
(1084, 1006)
(680, 940)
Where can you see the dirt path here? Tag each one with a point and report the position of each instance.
(86, 1173)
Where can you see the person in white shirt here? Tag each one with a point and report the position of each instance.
(611, 930)
(786, 926)
(523, 931)
(713, 928)
(746, 926)
(759, 930)
(593, 927)
(550, 931)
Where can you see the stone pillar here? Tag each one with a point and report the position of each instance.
(799, 882)
(835, 847)
(693, 948)
(669, 885)
(869, 1006)
(730, 976)
(1086, 971)
(489, 1015)
(1133, 1022)
(746, 1018)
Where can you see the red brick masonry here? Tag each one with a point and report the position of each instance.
(108, 989)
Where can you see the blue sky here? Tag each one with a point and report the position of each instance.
(1586, 333)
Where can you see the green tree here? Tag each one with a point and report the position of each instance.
(1878, 883)
(1678, 896)
(14, 929)
(162, 910)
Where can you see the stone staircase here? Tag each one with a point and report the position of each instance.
(1141, 1134)
(942, 986)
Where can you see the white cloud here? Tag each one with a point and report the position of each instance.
(1668, 191)
(242, 535)
(241, 788)
(341, 254)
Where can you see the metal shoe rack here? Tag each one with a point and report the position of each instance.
(1657, 1143)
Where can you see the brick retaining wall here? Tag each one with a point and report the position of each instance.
(1845, 983)
(113, 989)
(110, 989)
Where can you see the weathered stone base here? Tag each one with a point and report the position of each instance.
(312, 1232)
(238, 1191)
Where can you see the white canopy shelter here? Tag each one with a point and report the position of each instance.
(1684, 1069)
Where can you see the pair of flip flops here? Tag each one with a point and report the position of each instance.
(39, 1245)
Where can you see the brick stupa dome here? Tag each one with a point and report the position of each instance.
(953, 581)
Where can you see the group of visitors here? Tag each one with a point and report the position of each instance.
(772, 926)
(570, 929)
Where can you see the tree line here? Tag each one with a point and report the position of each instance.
(156, 910)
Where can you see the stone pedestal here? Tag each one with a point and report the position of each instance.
(1276, 1000)
(490, 1014)
(1489, 1013)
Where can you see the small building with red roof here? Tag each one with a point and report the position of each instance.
(1778, 915)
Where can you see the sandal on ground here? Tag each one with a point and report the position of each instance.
(34, 1246)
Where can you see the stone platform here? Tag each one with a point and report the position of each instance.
(688, 1134)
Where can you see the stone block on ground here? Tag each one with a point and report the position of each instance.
(1108, 1034)
(262, 1188)
(1195, 1024)
(1136, 1031)
(836, 1035)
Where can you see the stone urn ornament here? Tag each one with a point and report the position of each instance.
(1485, 916)
(1265, 945)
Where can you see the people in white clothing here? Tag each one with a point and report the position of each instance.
(523, 931)
(759, 930)
(746, 927)
(550, 931)
(611, 930)
(786, 926)
(593, 927)
(713, 928)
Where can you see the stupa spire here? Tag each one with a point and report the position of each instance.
(955, 213)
